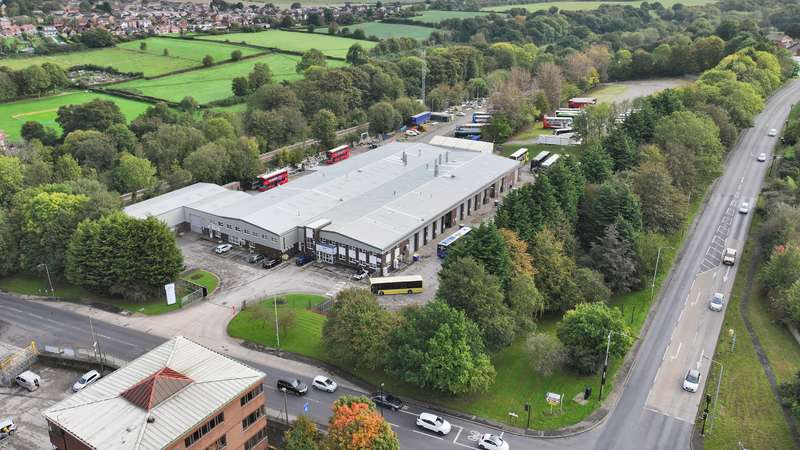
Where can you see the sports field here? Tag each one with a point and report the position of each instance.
(192, 50)
(14, 114)
(434, 16)
(386, 30)
(577, 6)
(292, 41)
(214, 83)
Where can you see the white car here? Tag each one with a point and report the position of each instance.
(87, 379)
(412, 133)
(761, 157)
(716, 302)
(461, 114)
(224, 248)
(692, 381)
(772, 132)
(324, 383)
(361, 275)
(433, 423)
(744, 208)
(492, 442)
(7, 427)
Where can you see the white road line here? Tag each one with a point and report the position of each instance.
(408, 412)
(460, 429)
(700, 361)
(691, 287)
(393, 424)
(680, 344)
(696, 298)
(426, 434)
(502, 433)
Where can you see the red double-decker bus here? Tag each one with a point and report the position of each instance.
(270, 180)
(337, 154)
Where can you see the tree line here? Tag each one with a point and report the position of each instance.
(33, 80)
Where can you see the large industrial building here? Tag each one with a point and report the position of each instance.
(373, 210)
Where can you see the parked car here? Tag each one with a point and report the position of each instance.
(772, 132)
(492, 442)
(29, 380)
(295, 386)
(433, 423)
(361, 274)
(716, 302)
(412, 133)
(302, 260)
(744, 208)
(729, 257)
(692, 381)
(85, 380)
(223, 248)
(324, 383)
(7, 427)
(373, 146)
(270, 263)
(761, 157)
(257, 257)
(386, 400)
(461, 114)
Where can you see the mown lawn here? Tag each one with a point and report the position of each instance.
(214, 83)
(13, 115)
(186, 49)
(32, 285)
(387, 30)
(579, 5)
(748, 411)
(292, 41)
(435, 16)
(256, 323)
(608, 93)
(204, 278)
(116, 57)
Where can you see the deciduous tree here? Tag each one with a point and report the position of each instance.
(303, 435)
(323, 128)
(311, 58)
(356, 425)
(584, 331)
(133, 173)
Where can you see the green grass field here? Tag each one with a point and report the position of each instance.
(578, 6)
(256, 323)
(14, 114)
(607, 94)
(292, 41)
(388, 30)
(187, 49)
(214, 83)
(435, 16)
(750, 415)
(203, 278)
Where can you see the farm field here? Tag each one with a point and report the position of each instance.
(388, 30)
(121, 59)
(14, 114)
(435, 16)
(187, 49)
(578, 6)
(292, 41)
(213, 83)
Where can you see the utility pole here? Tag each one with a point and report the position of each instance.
(655, 272)
(424, 73)
(98, 353)
(285, 405)
(49, 281)
(605, 367)
(277, 334)
(381, 404)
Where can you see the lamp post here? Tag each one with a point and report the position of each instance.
(49, 281)
(380, 405)
(605, 363)
(705, 416)
(275, 307)
(528, 410)
(716, 394)
(655, 272)
(285, 405)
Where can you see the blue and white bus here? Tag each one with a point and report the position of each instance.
(481, 117)
(469, 130)
(441, 249)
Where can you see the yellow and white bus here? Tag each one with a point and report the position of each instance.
(410, 284)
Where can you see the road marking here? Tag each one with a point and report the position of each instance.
(680, 344)
(680, 317)
(691, 287)
(700, 361)
(697, 298)
(727, 272)
(394, 425)
(460, 429)
(408, 412)
(502, 433)
(429, 435)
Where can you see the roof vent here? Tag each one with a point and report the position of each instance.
(151, 419)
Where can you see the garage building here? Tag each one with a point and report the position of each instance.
(373, 210)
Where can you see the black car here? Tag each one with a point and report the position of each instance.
(258, 257)
(295, 386)
(386, 400)
(270, 263)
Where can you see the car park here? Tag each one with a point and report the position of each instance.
(433, 423)
(692, 381)
(717, 301)
(744, 208)
(361, 274)
(386, 400)
(761, 157)
(7, 427)
(28, 380)
(295, 386)
(85, 380)
(772, 132)
(270, 263)
(223, 248)
(324, 383)
(255, 258)
(492, 442)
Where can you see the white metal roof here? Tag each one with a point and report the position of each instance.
(100, 417)
(202, 196)
(463, 144)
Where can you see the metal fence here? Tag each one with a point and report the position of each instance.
(89, 355)
(16, 363)
(193, 291)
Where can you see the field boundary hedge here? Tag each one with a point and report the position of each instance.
(192, 69)
(261, 47)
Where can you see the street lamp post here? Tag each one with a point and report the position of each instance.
(705, 416)
(655, 272)
(285, 405)
(380, 405)
(605, 363)
(49, 281)
(528, 409)
(716, 394)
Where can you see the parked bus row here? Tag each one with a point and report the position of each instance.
(543, 160)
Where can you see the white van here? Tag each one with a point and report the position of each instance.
(29, 380)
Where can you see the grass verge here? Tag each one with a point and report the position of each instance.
(204, 278)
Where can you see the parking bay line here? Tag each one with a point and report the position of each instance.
(429, 435)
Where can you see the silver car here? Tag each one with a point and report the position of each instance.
(87, 379)
(324, 383)
(761, 157)
(717, 302)
(692, 381)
